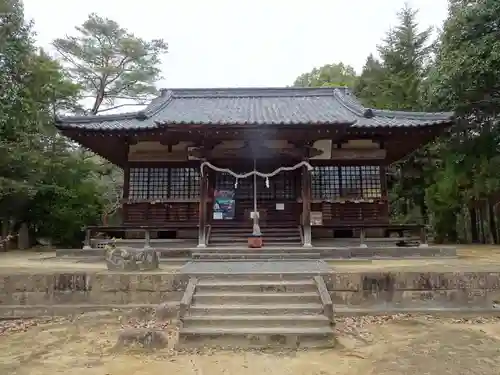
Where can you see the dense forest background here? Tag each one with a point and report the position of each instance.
(51, 188)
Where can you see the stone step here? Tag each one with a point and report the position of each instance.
(294, 286)
(253, 337)
(247, 250)
(275, 309)
(255, 298)
(236, 260)
(258, 276)
(254, 255)
(256, 321)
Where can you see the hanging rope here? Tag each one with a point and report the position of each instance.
(237, 176)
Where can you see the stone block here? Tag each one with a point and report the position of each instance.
(129, 259)
(343, 281)
(167, 311)
(143, 338)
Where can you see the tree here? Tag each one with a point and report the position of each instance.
(19, 140)
(405, 54)
(466, 78)
(115, 68)
(371, 84)
(397, 82)
(110, 63)
(328, 75)
(34, 159)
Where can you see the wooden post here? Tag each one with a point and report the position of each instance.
(202, 212)
(86, 244)
(306, 206)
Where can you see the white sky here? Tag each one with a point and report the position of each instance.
(245, 43)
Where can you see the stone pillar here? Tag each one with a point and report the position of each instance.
(306, 206)
(202, 212)
(86, 244)
(423, 237)
(147, 239)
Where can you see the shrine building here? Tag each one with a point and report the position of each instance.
(319, 157)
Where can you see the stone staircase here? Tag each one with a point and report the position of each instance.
(237, 235)
(255, 311)
(244, 254)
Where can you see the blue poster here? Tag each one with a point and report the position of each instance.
(223, 205)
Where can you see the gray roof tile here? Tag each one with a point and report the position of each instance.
(258, 106)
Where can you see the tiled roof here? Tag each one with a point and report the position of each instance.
(256, 106)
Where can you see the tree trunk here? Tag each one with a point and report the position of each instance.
(487, 216)
(493, 223)
(473, 225)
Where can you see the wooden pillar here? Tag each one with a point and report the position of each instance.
(306, 206)
(202, 212)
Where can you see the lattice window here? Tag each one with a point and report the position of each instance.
(184, 183)
(325, 183)
(158, 183)
(351, 182)
(370, 181)
(284, 186)
(138, 183)
(245, 188)
(164, 183)
(224, 181)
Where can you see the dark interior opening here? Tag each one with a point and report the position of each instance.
(343, 233)
(167, 235)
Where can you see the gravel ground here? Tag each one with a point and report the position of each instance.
(389, 345)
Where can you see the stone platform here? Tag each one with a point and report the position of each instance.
(34, 284)
(223, 253)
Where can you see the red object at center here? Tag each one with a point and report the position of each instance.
(254, 242)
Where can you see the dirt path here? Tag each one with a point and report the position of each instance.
(470, 258)
(366, 346)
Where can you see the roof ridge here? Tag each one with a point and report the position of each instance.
(252, 92)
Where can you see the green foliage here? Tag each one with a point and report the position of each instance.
(68, 199)
(371, 84)
(111, 63)
(42, 182)
(328, 75)
(466, 78)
